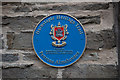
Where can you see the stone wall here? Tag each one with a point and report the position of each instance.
(100, 58)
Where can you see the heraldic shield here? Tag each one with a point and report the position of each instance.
(59, 40)
(59, 33)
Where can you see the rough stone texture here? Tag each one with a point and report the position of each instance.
(10, 57)
(104, 56)
(107, 56)
(23, 41)
(10, 37)
(21, 65)
(90, 71)
(89, 20)
(30, 72)
(100, 59)
(91, 56)
(1, 41)
(98, 66)
(20, 23)
(117, 30)
(26, 7)
(102, 39)
(20, 41)
(119, 39)
(30, 56)
(1, 44)
(29, 22)
(0, 73)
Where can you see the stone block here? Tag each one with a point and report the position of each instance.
(22, 65)
(20, 41)
(61, 6)
(1, 41)
(10, 57)
(29, 22)
(100, 39)
(89, 20)
(91, 71)
(30, 72)
(20, 23)
(95, 40)
(10, 38)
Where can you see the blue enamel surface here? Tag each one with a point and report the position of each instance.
(43, 41)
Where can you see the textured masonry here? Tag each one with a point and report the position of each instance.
(19, 60)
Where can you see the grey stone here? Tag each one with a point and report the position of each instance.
(21, 23)
(23, 41)
(101, 39)
(20, 41)
(0, 73)
(90, 20)
(21, 65)
(61, 7)
(11, 3)
(96, 6)
(89, 66)
(1, 45)
(30, 56)
(1, 42)
(109, 38)
(23, 9)
(90, 56)
(91, 71)
(84, 6)
(10, 38)
(29, 22)
(10, 57)
(30, 72)
(95, 40)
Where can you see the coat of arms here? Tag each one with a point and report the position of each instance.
(59, 34)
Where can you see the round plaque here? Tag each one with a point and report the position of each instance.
(59, 40)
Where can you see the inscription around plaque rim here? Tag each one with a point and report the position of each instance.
(59, 40)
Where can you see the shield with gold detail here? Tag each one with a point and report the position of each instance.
(59, 33)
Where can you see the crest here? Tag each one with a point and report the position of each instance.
(59, 40)
(59, 34)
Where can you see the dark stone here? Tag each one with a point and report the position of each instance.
(29, 22)
(0, 73)
(23, 41)
(10, 38)
(29, 7)
(96, 6)
(101, 39)
(30, 56)
(91, 71)
(108, 38)
(1, 42)
(75, 7)
(10, 57)
(118, 27)
(11, 3)
(21, 23)
(89, 19)
(19, 41)
(30, 72)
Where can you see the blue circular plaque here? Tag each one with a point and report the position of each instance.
(59, 40)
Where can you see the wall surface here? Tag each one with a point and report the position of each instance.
(100, 58)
